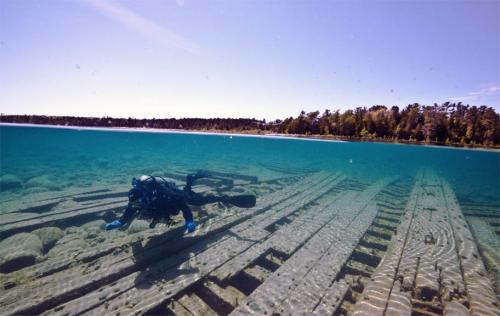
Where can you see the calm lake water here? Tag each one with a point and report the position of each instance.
(335, 206)
(38, 159)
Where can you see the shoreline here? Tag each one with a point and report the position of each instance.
(259, 133)
(171, 131)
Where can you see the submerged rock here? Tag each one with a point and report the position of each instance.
(10, 182)
(138, 225)
(74, 230)
(99, 224)
(43, 182)
(36, 190)
(19, 251)
(49, 236)
(93, 228)
(68, 246)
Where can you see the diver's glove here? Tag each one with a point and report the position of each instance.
(114, 224)
(190, 226)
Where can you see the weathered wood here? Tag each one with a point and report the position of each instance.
(117, 193)
(238, 176)
(489, 245)
(321, 278)
(42, 201)
(431, 259)
(481, 296)
(319, 286)
(237, 240)
(57, 217)
(263, 203)
(300, 249)
(377, 293)
(64, 207)
(228, 294)
(491, 215)
(177, 309)
(330, 302)
(51, 266)
(258, 273)
(430, 253)
(125, 263)
(454, 308)
(196, 306)
(270, 295)
(285, 240)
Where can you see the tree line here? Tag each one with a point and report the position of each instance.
(447, 123)
(229, 124)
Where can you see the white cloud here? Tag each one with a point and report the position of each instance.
(484, 91)
(155, 32)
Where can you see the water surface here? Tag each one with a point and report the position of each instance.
(54, 159)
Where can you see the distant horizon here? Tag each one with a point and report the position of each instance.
(231, 133)
(241, 117)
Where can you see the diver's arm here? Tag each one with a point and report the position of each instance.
(129, 214)
(188, 217)
(126, 217)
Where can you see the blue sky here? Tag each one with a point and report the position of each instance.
(262, 59)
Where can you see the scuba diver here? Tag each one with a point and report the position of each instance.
(156, 198)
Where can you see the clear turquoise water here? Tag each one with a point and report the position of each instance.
(56, 159)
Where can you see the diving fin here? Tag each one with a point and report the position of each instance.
(244, 201)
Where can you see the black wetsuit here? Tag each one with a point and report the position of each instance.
(157, 198)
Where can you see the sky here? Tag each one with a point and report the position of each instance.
(254, 59)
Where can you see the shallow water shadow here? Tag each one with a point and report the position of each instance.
(164, 259)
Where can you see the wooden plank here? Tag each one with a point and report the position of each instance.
(71, 204)
(238, 176)
(319, 293)
(489, 215)
(85, 198)
(39, 200)
(270, 295)
(321, 278)
(429, 253)
(481, 296)
(433, 242)
(177, 309)
(238, 239)
(433, 262)
(196, 306)
(332, 299)
(285, 240)
(262, 204)
(489, 245)
(429, 265)
(50, 266)
(454, 308)
(377, 293)
(66, 206)
(63, 287)
(228, 294)
(258, 273)
(59, 216)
